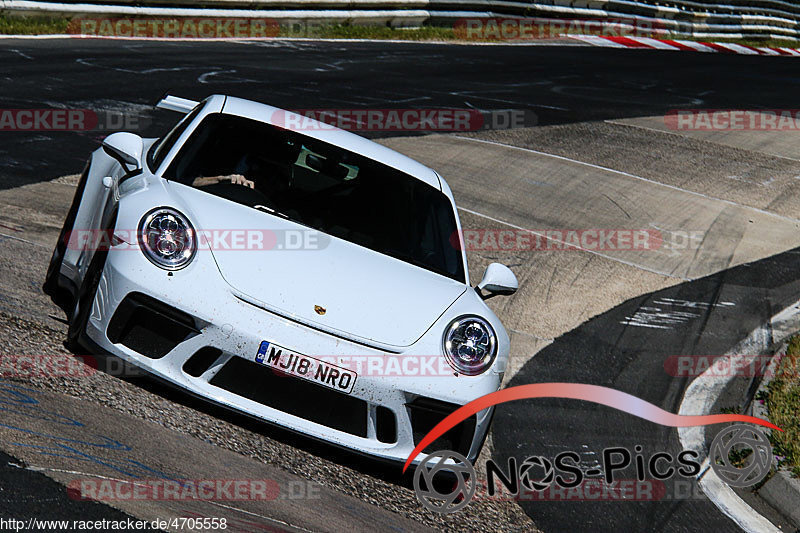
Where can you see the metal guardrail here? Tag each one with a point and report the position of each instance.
(680, 18)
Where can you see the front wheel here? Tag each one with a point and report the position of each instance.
(84, 300)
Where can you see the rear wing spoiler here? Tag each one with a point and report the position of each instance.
(173, 103)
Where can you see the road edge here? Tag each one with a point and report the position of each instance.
(700, 397)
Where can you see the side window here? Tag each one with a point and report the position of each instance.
(161, 148)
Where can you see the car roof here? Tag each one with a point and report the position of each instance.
(330, 134)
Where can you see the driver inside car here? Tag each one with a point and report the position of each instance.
(237, 178)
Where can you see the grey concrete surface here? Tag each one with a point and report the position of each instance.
(751, 177)
(541, 192)
(782, 491)
(781, 143)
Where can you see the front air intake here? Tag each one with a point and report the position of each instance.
(149, 327)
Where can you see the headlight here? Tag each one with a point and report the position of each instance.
(167, 238)
(470, 345)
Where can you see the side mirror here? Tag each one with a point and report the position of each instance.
(498, 279)
(126, 148)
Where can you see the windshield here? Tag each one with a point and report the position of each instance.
(161, 147)
(321, 186)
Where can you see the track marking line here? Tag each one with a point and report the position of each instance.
(633, 176)
(698, 139)
(21, 54)
(273, 520)
(612, 258)
(26, 241)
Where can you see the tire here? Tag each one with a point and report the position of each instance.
(84, 300)
(51, 281)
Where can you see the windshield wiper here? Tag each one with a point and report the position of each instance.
(271, 211)
(275, 212)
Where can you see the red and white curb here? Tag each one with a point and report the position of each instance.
(684, 46)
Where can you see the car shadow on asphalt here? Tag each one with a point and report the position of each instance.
(629, 348)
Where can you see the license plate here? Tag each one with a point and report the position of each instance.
(302, 366)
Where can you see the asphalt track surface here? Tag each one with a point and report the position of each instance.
(607, 351)
(43, 496)
(559, 84)
(563, 86)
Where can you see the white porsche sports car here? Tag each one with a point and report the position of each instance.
(305, 276)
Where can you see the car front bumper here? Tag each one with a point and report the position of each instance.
(228, 331)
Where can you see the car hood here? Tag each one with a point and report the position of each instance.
(365, 295)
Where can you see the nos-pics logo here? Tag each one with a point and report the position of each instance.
(740, 455)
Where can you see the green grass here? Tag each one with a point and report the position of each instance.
(37, 25)
(345, 31)
(32, 25)
(783, 405)
(738, 458)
